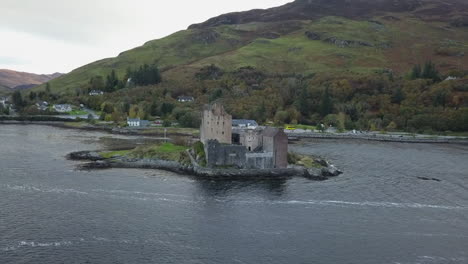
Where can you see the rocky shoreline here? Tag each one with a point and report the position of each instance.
(95, 161)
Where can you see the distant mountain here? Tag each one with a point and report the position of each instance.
(24, 80)
(452, 11)
(305, 36)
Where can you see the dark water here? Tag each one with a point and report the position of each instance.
(377, 212)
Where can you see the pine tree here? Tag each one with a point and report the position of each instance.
(18, 100)
(398, 96)
(326, 104)
(430, 72)
(416, 72)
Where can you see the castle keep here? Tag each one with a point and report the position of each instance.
(216, 124)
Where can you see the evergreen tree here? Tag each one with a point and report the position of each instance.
(326, 104)
(154, 109)
(112, 82)
(398, 96)
(32, 96)
(301, 101)
(430, 72)
(166, 108)
(260, 113)
(416, 72)
(146, 75)
(18, 100)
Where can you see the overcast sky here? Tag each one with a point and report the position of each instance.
(49, 36)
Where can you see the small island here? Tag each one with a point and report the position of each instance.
(247, 151)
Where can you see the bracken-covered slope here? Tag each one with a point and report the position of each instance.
(305, 36)
(13, 79)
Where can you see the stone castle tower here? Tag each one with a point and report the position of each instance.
(216, 124)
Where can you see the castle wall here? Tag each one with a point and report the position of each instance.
(260, 160)
(224, 155)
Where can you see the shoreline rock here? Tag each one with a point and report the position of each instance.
(318, 174)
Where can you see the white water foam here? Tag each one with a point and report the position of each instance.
(43, 190)
(145, 196)
(33, 244)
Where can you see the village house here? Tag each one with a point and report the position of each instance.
(96, 93)
(137, 122)
(244, 123)
(62, 108)
(43, 105)
(185, 99)
(3, 101)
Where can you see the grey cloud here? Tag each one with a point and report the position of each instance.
(83, 21)
(6, 60)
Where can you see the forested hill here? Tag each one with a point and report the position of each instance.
(375, 63)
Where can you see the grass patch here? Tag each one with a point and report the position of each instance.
(165, 151)
(304, 127)
(111, 154)
(303, 160)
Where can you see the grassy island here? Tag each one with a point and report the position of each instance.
(163, 151)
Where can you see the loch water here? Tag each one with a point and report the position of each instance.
(379, 211)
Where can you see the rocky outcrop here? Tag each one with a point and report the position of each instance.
(318, 174)
(312, 35)
(205, 36)
(347, 43)
(85, 155)
(270, 35)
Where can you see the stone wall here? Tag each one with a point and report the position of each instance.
(276, 141)
(259, 160)
(224, 155)
(251, 139)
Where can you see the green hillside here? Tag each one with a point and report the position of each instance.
(4, 90)
(279, 64)
(360, 46)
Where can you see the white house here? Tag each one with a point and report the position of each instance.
(63, 108)
(137, 122)
(185, 99)
(3, 101)
(43, 105)
(244, 124)
(96, 92)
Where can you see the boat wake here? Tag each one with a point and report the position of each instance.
(175, 198)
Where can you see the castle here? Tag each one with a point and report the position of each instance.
(245, 148)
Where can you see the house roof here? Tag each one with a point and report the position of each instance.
(183, 97)
(246, 122)
(133, 119)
